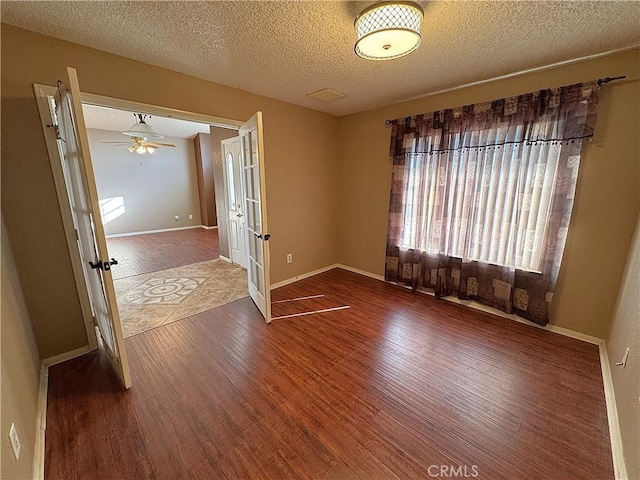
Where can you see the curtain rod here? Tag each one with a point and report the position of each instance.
(600, 82)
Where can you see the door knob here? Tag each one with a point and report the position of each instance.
(103, 265)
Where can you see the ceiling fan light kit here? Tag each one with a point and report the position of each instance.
(139, 147)
(388, 30)
(140, 133)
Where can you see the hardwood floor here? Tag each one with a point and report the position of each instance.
(398, 386)
(140, 254)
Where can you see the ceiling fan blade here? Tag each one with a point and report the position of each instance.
(154, 144)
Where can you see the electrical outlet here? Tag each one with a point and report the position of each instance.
(15, 441)
(177, 218)
(289, 258)
(190, 217)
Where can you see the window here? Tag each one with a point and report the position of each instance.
(231, 182)
(481, 197)
(487, 204)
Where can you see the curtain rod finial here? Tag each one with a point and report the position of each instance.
(602, 81)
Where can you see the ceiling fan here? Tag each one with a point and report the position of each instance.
(140, 133)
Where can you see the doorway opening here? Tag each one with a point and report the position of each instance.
(158, 209)
(68, 145)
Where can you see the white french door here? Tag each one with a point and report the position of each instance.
(78, 171)
(235, 201)
(257, 236)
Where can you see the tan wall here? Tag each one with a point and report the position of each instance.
(606, 205)
(20, 375)
(300, 153)
(625, 332)
(206, 191)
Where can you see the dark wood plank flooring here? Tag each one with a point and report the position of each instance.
(398, 386)
(151, 252)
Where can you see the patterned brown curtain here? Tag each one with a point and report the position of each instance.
(481, 197)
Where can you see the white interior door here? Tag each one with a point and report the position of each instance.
(235, 200)
(83, 197)
(252, 153)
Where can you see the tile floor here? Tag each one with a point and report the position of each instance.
(159, 298)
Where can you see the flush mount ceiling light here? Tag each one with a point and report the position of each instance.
(388, 30)
(141, 128)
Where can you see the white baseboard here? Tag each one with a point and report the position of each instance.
(41, 421)
(63, 357)
(223, 258)
(468, 303)
(360, 272)
(41, 424)
(571, 333)
(512, 316)
(303, 276)
(494, 311)
(145, 232)
(208, 228)
(322, 270)
(615, 436)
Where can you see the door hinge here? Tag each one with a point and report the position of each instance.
(56, 129)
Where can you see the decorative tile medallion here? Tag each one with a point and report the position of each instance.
(162, 291)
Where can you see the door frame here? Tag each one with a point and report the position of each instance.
(146, 108)
(41, 93)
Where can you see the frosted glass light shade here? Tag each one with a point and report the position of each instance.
(141, 129)
(388, 30)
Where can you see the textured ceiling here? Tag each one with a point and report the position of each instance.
(286, 49)
(102, 118)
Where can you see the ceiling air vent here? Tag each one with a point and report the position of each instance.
(326, 95)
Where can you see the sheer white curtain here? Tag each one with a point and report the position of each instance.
(490, 205)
